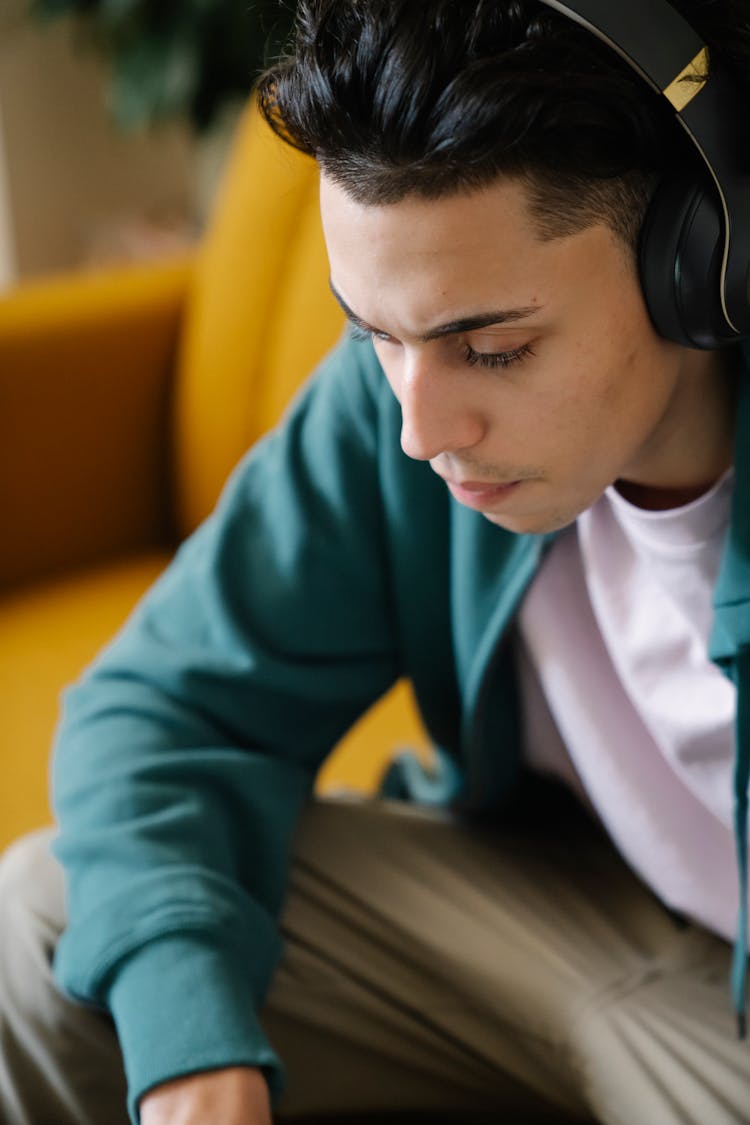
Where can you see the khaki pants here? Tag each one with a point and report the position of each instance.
(430, 967)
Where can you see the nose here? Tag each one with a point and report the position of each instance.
(436, 416)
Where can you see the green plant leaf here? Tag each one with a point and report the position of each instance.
(178, 58)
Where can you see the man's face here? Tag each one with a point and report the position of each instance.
(528, 372)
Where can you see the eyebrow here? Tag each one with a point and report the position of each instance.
(451, 327)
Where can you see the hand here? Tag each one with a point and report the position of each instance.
(236, 1095)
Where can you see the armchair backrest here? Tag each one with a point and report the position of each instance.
(259, 316)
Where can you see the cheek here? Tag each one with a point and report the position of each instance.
(640, 385)
(608, 375)
(585, 408)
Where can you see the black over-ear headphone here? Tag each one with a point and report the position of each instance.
(695, 243)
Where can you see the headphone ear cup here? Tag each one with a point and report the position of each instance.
(680, 258)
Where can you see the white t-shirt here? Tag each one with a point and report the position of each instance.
(621, 700)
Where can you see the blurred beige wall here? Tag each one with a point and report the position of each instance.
(66, 173)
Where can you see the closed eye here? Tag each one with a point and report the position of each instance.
(361, 334)
(497, 359)
(474, 358)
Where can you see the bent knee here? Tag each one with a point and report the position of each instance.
(31, 883)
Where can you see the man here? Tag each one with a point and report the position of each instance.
(516, 483)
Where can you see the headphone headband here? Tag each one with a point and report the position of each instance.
(661, 46)
(649, 34)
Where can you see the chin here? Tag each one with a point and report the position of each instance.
(538, 523)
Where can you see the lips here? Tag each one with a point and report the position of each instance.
(480, 486)
(481, 495)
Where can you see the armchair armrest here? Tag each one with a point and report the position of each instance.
(86, 372)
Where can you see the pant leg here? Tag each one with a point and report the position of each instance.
(493, 955)
(427, 967)
(60, 1063)
(391, 933)
(660, 1045)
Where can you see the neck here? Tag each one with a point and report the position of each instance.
(656, 499)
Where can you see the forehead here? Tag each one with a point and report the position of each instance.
(422, 258)
(429, 244)
(463, 220)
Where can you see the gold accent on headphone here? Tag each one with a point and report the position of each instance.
(689, 81)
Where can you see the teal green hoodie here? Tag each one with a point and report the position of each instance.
(332, 566)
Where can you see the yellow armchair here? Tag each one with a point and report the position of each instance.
(126, 398)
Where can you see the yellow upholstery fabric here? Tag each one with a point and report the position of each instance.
(126, 398)
(86, 367)
(49, 631)
(260, 315)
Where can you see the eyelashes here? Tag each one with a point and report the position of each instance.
(497, 359)
(491, 360)
(361, 335)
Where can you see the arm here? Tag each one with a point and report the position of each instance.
(187, 753)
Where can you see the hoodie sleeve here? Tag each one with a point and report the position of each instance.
(185, 754)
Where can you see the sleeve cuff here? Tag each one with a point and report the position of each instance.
(181, 1006)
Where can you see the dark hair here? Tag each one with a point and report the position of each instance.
(429, 97)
